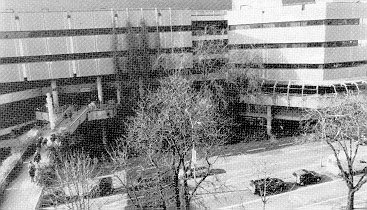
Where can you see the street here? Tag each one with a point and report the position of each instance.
(229, 190)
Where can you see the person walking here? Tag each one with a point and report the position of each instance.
(31, 170)
(37, 157)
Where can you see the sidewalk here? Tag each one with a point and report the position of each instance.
(21, 194)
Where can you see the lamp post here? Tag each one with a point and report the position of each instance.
(193, 151)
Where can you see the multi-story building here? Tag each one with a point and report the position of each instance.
(303, 50)
(66, 52)
(306, 51)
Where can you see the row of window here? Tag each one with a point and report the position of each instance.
(328, 22)
(197, 28)
(91, 31)
(303, 66)
(90, 55)
(348, 43)
(209, 32)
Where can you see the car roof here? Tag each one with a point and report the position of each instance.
(302, 171)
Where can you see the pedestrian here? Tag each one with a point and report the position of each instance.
(39, 143)
(44, 142)
(31, 170)
(37, 157)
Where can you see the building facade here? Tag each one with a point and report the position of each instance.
(305, 51)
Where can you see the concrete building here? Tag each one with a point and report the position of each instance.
(304, 50)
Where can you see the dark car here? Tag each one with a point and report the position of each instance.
(305, 177)
(267, 186)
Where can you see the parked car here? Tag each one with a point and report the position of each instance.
(305, 177)
(267, 185)
(202, 171)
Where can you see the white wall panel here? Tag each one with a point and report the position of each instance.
(294, 74)
(38, 71)
(150, 17)
(84, 44)
(7, 21)
(135, 17)
(58, 45)
(104, 43)
(10, 73)
(279, 14)
(82, 20)
(31, 21)
(341, 33)
(284, 55)
(55, 20)
(181, 17)
(345, 54)
(8, 47)
(87, 67)
(346, 73)
(164, 18)
(105, 66)
(103, 19)
(34, 46)
(60, 69)
(122, 18)
(346, 10)
(277, 35)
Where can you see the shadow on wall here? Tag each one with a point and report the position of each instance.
(136, 71)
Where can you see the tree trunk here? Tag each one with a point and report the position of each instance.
(177, 190)
(350, 204)
(186, 189)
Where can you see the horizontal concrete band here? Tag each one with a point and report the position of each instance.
(91, 55)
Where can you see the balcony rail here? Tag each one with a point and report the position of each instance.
(209, 13)
(210, 32)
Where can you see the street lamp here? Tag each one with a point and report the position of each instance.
(193, 151)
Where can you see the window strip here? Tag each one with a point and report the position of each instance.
(88, 32)
(303, 66)
(91, 55)
(347, 43)
(328, 22)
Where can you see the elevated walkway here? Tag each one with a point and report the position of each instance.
(21, 192)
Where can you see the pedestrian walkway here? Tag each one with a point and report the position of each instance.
(21, 194)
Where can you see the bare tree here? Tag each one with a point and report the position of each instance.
(343, 127)
(262, 170)
(73, 181)
(169, 123)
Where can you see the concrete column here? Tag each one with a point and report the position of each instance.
(118, 92)
(55, 94)
(268, 120)
(50, 109)
(104, 134)
(100, 90)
